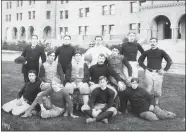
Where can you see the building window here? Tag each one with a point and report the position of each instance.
(29, 15)
(34, 15)
(86, 30)
(60, 30)
(33, 1)
(7, 5)
(81, 12)
(61, 1)
(61, 14)
(10, 4)
(66, 14)
(80, 30)
(17, 16)
(132, 27)
(9, 17)
(66, 1)
(104, 30)
(48, 1)
(66, 30)
(112, 9)
(6, 18)
(21, 2)
(105, 10)
(133, 7)
(139, 27)
(18, 3)
(30, 2)
(86, 12)
(111, 29)
(48, 15)
(20, 16)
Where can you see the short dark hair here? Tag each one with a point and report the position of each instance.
(134, 80)
(131, 32)
(102, 77)
(115, 47)
(32, 71)
(154, 38)
(67, 36)
(98, 37)
(50, 52)
(35, 36)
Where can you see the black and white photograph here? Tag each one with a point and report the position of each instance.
(92, 65)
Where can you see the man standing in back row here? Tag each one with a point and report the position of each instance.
(31, 54)
(130, 50)
(65, 53)
(153, 70)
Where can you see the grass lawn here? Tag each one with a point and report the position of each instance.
(173, 99)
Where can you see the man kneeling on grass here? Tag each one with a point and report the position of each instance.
(101, 103)
(26, 96)
(142, 103)
(59, 99)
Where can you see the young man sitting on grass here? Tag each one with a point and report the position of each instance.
(142, 103)
(26, 95)
(100, 107)
(59, 99)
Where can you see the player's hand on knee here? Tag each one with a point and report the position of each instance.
(151, 107)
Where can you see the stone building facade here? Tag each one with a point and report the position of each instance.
(85, 19)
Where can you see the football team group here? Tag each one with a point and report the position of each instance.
(105, 78)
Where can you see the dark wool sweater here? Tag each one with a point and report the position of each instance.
(129, 50)
(98, 70)
(30, 90)
(154, 59)
(102, 96)
(139, 99)
(65, 54)
(32, 56)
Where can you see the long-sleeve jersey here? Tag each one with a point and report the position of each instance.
(102, 96)
(139, 99)
(59, 99)
(30, 90)
(129, 50)
(32, 56)
(98, 70)
(154, 59)
(65, 54)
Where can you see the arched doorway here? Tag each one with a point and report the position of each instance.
(47, 32)
(14, 33)
(22, 33)
(30, 32)
(161, 27)
(7, 34)
(181, 28)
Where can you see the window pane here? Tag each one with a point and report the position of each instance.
(104, 29)
(66, 30)
(134, 7)
(20, 16)
(111, 29)
(17, 16)
(29, 14)
(112, 9)
(66, 14)
(9, 17)
(18, 3)
(7, 5)
(86, 30)
(48, 15)
(81, 12)
(10, 4)
(61, 14)
(86, 12)
(33, 14)
(61, 1)
(105, 10)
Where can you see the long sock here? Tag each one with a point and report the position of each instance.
(88, 112)
(85, 99)
(104, 115)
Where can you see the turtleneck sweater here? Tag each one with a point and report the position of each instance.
(65, 54)
(98, 70)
